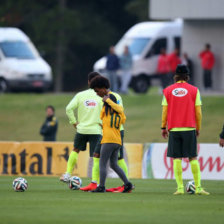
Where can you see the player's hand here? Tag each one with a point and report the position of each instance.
(164, 133)
(197, 133)
(75, 125)
(221, 142)
(105, 98)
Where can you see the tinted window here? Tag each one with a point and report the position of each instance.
(156, 47)
(136, 45)
(177, 42)
(16, 49)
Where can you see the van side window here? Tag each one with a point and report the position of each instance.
(155, 49)
(177, 42)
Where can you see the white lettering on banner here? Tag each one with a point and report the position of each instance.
(210, 157)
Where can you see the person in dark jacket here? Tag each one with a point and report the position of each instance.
(112, 66)
(50, 126)
(221, 140)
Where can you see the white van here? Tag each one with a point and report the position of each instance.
(21, 66)
(145, 41)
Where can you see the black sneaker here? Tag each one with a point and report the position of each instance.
(99, 189)
(128, 187)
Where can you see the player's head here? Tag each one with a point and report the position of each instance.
(50, 111)
(108, 107)
(111, 50)
(207, 46)
(182, 73)
(100, 85)
(92, 75)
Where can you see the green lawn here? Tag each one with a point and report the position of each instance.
(21, 116)
(49, 201)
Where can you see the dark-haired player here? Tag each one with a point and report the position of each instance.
(182, 115)
(101, 86)
(111, 141)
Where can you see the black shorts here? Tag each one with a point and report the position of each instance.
(182, 144)
(81, 140)
(121, 150)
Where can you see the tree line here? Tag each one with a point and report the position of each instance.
(72, 34)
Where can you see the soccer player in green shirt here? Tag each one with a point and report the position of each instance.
(88, 106)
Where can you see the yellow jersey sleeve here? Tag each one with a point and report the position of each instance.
(123, 118)
(164, 101)
(119, 109)
(102, 113)
(198, 101)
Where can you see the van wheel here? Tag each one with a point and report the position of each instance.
(3, 86)
(140, 84)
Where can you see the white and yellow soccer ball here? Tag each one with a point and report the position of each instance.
(75, 183)
(20, 184)
(190, 187)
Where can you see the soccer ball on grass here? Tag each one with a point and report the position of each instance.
(20, 184)
(75, 183)
(190, 187)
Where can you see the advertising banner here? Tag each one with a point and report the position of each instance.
(134, 159)
(39, 158)
(133, 156)
(157, 165)
(50, 159)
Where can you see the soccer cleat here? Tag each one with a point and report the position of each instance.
(121, 189)
(201, 191)
(114, 189)
(128, 188)
(92, 186)
(65, 177)
(99, 189)
(180, 191)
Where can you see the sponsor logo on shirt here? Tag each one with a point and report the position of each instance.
(90, 103)
(179, 92)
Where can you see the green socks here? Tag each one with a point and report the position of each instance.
(195, 169)
(122, 164)
(73, 157)
(177, 168)
(96, 170)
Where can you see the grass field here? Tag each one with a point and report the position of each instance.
(21, 116)
(48, 201)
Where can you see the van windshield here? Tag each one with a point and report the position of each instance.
(16, 49)
(136, 45)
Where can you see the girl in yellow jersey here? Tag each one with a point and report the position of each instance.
(112, 117)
